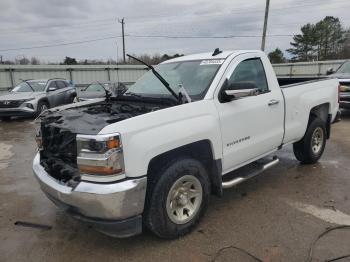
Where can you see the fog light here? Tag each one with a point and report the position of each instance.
(29, 106)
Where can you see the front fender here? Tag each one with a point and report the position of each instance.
(147, 136)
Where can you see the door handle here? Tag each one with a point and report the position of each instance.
(273, 102)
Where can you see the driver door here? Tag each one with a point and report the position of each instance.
(52, 93)
(251, 126)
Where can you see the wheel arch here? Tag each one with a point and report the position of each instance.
(322, 112)
(202, 151)
(45, 100)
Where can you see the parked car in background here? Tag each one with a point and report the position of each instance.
(100, 90)
(32, 97)
(343, 74)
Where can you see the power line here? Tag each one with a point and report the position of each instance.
(140, 36)
(61, 44)
(205, 37)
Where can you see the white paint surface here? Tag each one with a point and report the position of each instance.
(325, 214)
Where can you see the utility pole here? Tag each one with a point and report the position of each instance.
(265, 25)
(122, 22)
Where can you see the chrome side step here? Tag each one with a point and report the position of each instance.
(240, 179)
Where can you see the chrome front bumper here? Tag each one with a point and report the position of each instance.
(92, 202)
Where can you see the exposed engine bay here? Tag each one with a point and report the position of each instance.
(59, 129)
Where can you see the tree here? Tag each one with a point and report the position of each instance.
(304, 44)
(34, 61)
(70, 61)
(153, 60)
(276, 56)
(22, 61)
(330, 36)
(345, 52)
(320, 41)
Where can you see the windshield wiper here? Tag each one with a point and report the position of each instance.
(161, 79)
(29, 85)
(108, 94)
(26, 81)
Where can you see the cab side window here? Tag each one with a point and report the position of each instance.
(52, 84)
(249, 74)
(61, 84)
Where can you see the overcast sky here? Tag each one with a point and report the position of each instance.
(30, 23)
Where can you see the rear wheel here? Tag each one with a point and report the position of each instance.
(42, 106)
(310, 149)
(178, 199)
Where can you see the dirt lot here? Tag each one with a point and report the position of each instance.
(275, 216)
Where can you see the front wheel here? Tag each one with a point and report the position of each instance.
(178, 199)
(310, 149)
(42, 106)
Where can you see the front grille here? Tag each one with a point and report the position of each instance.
(59, 154)
(345, 98)
(10, 103)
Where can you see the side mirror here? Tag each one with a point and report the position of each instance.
(51, 89)
(330, 71)
(238, 90)
(235, 94)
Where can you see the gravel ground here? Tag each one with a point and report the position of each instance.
(275, 216)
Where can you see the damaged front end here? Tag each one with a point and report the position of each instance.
(69, 151)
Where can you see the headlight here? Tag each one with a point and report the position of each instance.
(25, 100)
(29, 105)
(39, 139)
(344, 88)
(100, 157)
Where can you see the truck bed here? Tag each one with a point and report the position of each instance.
(301, 98)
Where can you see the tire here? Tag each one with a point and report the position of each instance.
(42, 106)
(170, 211)
(72, 99)
(310, 149)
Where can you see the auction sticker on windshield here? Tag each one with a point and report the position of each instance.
(212, 62)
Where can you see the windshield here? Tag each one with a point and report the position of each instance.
(344, 68)
(30, 86)
(95, 87)
(194, 76)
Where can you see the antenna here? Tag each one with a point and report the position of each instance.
(216, 52)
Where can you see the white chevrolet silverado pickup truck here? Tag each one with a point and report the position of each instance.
(190, 127)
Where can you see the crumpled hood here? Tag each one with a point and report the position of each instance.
(91, 117)
(19, 96)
